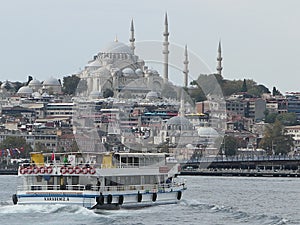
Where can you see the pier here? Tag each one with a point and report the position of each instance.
(262, 166)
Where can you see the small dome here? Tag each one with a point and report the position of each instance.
(117, 47)
(139, 72)
(152, 95)
(25, 90)
(207, 131)
(36, 95)
(51, 82)
(34, 83)
(128, 72)
(179, 120)
(45, 95)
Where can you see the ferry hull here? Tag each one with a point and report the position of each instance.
(96, 202)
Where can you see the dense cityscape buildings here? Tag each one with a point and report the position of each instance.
(121, 104)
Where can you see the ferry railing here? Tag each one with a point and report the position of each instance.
(89, 187)
(145, 188)
(37, 187)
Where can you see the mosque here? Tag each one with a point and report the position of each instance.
(117, 68)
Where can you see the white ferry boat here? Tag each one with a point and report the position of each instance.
(111, 180)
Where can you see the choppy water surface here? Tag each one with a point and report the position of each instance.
(208, 200)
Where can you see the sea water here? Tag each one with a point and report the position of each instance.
(208, 200)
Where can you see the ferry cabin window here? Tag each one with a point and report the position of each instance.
(75, 180)
(39, 179)
(122, 180)
(151, 180)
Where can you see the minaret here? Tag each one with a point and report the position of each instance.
(186, 67)
(182, 108)
(219, 59)
(132, 39)
(166, 50)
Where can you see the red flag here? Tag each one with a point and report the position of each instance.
(52, 156)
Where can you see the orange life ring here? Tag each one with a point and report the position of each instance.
(92, 171)
(36, 170)
(42, 169)
(29, 170)
(23, 170)
(84, 170)
(77, 170)
(63, 170)
(49, 169)
(70, 170)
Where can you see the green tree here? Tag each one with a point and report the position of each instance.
(70, 84)
(196, 94)
(244, 87)
(287, 119)
(17, 142)
(108, 93)
(18, 85)
(271, 118)
(230, 145)
(275, 92)
(275, 141)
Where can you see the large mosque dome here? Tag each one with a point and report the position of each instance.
(207, 131)
(179, 123)
(128, 72)
(51, 82)
(117, 47)
(25, 90)
(178, 120)
(34, 82)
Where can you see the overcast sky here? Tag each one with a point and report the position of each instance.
(260, 39)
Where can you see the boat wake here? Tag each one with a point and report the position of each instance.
(232, 215)
(51, 209)
(215, 214)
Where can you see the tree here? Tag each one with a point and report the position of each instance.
(13, 142)
(275, 92)
(275, 141)
(287, 119)
(197, 95)
(230, 145)
(271, 117)
(70, 84)
(108, 93)
(18, 85)
(244, 87)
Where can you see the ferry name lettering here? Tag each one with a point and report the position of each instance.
(56, 199)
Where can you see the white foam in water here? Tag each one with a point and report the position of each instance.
(19, 209)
